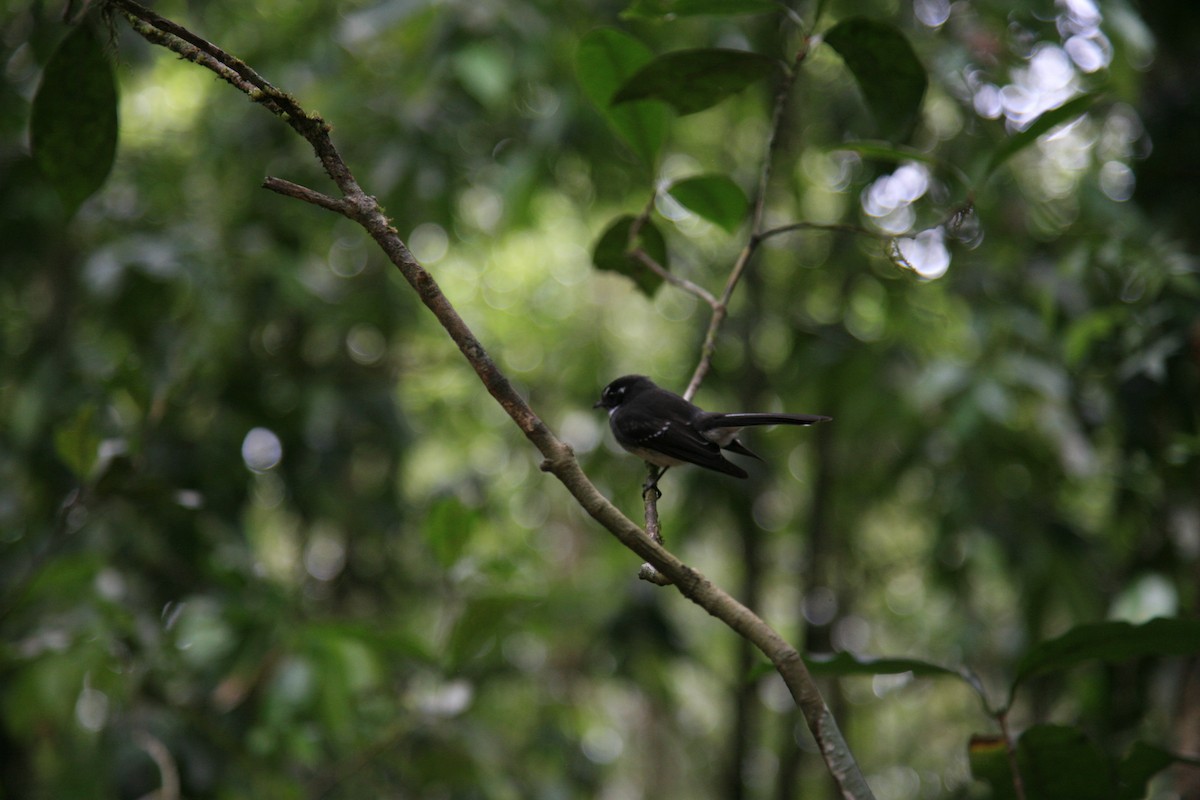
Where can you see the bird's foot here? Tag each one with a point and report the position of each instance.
(651, 482)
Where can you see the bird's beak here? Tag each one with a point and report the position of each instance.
(598, 404)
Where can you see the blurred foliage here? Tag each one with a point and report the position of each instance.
(262, 534)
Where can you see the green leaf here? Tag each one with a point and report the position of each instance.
(841, 664)
(898, 154)
(485, 70)
(62, 578)
(78, 444)
(1141, 763)
(670, 9)
(884, 151)
(485, 619)
(1059, 761)
(606, 58)
(448, 527)
(819, 13)
(890, 76)
(1088, 329)
(389, 641)
(693, 80)
(1111, 641)
(715, 197)
(988, 757)
(1043, 124)
(40, 692)
(73, 124)
(612, 253)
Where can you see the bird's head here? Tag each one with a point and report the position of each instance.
(622, 389)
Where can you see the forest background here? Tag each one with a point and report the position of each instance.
(262, 532)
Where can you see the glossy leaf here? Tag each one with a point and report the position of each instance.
(606, 58)
(1111, 641)
(1042, 125)
(73, 125)
(888, 73)
(715, 197)
(693, 80)
(669, 9)
(842, 664)
(612, 253)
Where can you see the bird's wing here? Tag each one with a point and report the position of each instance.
(674, 440)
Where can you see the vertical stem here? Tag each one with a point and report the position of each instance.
(721, 308)
(1011, 749)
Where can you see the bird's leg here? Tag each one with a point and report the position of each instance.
(651, 482)
(650, 496)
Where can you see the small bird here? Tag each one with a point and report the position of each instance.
(661, 427)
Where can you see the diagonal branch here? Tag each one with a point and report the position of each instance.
(559, 459)
(636, 251)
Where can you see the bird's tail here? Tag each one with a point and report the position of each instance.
(745, 420)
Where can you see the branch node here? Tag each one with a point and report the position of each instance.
(298, 192)
(648, 573)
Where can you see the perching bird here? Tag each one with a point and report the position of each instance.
(661, 427)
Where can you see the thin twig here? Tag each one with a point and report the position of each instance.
(1011, 749)
(168, 770)
(651, 264)
(303, 193)
(636, 251)
(837, 227)
(164, 32)
(639, 222)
